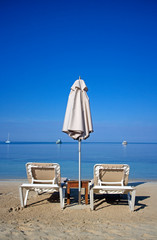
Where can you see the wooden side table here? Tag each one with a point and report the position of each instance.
(75, 184)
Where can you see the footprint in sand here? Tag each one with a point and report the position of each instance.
(14, 209)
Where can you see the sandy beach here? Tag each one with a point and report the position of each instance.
(43, 218)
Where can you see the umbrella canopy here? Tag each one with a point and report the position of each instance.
(78, 121)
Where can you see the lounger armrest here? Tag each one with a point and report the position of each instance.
(31, 185)
(129, 188)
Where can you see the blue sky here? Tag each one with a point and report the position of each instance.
(46, 45)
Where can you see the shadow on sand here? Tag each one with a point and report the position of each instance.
(53, 198)
(113, 199)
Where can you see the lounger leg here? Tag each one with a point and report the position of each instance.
(61, 197)
(26, 196)
(131, 200)
(91, 199)
(21, 196)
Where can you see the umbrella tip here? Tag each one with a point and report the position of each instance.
(79, 77)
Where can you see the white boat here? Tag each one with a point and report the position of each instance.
(124, 143)
(58, 141)
(7, 141)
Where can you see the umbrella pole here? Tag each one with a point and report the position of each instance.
(79, 171)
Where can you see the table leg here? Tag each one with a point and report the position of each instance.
(86, 194)
(68, 194)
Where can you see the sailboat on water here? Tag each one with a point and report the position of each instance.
(7, 141)
(58, 141)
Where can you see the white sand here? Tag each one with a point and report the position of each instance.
(45, 220)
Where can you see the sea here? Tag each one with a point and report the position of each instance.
(142, 158)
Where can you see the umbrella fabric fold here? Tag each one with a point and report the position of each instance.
(78, 121)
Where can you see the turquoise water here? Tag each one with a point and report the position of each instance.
(142, 158)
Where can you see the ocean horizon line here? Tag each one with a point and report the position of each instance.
(74, 142)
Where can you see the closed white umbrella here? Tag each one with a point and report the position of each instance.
(78, 121)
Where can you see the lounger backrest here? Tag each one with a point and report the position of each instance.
(111, 174)
(43, 172)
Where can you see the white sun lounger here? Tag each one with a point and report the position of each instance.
(42, 177)
(112, 179)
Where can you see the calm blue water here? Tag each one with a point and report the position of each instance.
(142, 158)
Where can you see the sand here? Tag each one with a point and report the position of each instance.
(43, 218)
